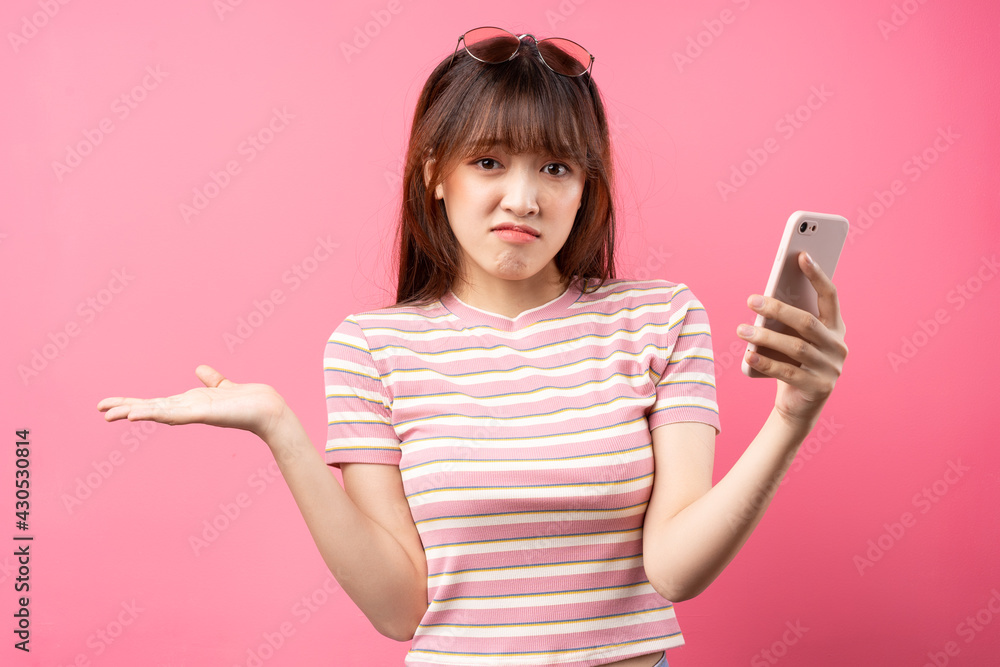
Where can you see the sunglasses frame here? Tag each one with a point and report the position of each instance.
(520, 39)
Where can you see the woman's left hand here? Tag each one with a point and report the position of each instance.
(818, 349)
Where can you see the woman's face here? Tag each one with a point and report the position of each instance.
(511, 214)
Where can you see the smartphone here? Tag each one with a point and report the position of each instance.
(822, 235)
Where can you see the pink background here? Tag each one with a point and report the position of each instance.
(109, 288)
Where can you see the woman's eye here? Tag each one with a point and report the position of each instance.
(556, 169)
(487, 163)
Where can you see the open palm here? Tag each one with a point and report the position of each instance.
(221, 402)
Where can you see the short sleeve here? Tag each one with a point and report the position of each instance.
(359, 408)
(685, 389)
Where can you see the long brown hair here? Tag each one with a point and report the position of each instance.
(466, 107)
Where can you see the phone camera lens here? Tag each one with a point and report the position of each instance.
(803, 227)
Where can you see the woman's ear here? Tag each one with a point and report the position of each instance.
(439, 188)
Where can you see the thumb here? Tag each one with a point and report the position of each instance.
(209, 376)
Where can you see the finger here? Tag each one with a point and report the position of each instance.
(126, 408)
(814, 386)
(826, 292)
(805, 324)
(171, 410)
(117, 412)
(119, 405)
(107, 403)
(794, 375)
(209, 376)
(791, 348)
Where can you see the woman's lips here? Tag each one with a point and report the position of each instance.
(516, 233)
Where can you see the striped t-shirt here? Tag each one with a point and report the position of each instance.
(525, 451)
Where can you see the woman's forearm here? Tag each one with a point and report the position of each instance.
(367, 561)
(685, 553)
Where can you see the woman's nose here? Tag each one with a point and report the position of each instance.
(520, 196)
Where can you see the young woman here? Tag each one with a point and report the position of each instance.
(526, 442)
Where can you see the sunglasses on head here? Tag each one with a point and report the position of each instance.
(496, 45)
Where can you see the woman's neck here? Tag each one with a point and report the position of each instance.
(509, 298)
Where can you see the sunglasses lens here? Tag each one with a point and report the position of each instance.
(491, 45)
(564, 56)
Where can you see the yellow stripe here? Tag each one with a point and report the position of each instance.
(540, 623)
(531, 538)
(521, 393)
(640, 584)
(616, 353)
(564, 458)
(483, 516)
(532, 566)
(561, 652)
(597, 337)
(544, 486)
(534, 437)
(421, 420)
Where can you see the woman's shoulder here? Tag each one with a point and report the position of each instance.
(428, 309)
(636, 304)
(640, 291)
(403, 316)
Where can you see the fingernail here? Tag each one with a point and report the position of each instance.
(756, 301)
(809, 259)
(745, 330)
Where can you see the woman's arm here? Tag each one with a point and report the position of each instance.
(364, 530)
(365, 534)
(693, 530)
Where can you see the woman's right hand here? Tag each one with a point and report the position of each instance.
(252, 407)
